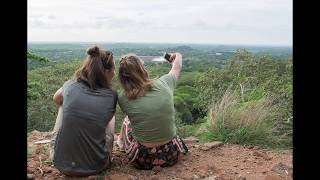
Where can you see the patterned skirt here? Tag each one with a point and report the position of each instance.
(143, 157)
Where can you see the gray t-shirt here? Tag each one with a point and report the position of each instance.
(80, 144)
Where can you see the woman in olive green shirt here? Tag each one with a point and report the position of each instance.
(148, 134)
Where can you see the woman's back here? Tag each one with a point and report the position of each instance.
(148, 133)
(80, 143)
(152, 115)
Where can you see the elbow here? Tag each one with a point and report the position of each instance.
(58, 100)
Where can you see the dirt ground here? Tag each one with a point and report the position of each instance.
(208, 161)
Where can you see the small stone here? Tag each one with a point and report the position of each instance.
(281, 169)
(210, 178)
(30, 176)
(260, 154)
(210, 145)
(195, 176)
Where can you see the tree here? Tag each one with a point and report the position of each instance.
(33, 56)
(33, 87)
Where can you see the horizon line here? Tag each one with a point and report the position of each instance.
(179, 43)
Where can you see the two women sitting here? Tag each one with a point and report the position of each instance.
(83, 133)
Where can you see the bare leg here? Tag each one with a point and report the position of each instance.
(55, 130)
(121, 130)
(109, 140)
(58, 123)
(110, 135)
(122, 138)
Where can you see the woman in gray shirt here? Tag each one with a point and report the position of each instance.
(83, 133)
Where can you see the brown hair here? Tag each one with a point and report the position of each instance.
(133, 76)
(92, 72)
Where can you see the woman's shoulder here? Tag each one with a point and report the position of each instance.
(68, 83)
(168, 80)
(122, 98)
(109, 91)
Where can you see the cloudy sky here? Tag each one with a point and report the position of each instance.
(260, 22)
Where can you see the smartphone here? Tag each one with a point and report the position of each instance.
(167, 57)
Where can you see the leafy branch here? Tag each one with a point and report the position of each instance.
(33, 56)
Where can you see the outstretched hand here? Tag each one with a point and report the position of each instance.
(172, 57)
(176, 62)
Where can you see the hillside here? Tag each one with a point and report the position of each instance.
(227, 161)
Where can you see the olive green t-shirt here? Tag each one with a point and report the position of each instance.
(152, 115)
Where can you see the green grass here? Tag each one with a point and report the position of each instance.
(187, 130)
(42, 84)
(247, 124)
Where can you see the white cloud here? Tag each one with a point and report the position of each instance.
(204, 21)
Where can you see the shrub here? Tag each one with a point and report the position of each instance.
(244, 123)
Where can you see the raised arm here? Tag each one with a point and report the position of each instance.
(58, 97)
(176, 59)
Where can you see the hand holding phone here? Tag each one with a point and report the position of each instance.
(167, 57)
